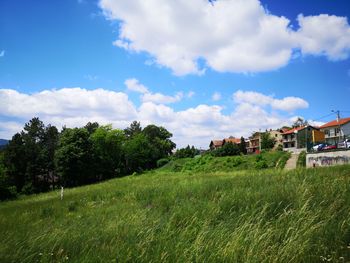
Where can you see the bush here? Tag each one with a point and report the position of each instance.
(261, 165)
(162, 162)
(301, 159)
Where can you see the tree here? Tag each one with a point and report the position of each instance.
(133, 129)
(242, 146)
(267, 143)
(33, 134)
(300, 122)
(138, 153)
(74, 159)
(108, 152)
(188, 152)
(91, 127)
(49, 146)
(15, 161)
(160, 140)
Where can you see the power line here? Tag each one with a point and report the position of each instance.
(320, 118)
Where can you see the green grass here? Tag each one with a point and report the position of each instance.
(244, 216)
(301, 162)
(209, 163)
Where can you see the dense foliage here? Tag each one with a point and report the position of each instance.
(40, 157)
(228, 149)
(187, 152)
(267, 142)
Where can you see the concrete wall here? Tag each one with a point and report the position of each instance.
(328, 158)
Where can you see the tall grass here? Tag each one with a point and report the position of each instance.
(245, 216)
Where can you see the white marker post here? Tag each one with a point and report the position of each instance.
(61, 192)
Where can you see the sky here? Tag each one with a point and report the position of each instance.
(202, 69)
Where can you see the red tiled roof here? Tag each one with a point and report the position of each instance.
(216, 142)
(232, 140)
(335, 123)
(294, 130)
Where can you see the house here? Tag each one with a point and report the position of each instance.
(299, 138)
(215, 144)
(254, 143)
(231, 140)
(336, 131)
(277, 135)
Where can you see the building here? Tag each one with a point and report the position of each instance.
(336, 131)
(299, 138)
(254, 143)
(215, 144)
(277, 135)
(231, 140)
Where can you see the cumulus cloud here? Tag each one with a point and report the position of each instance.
(325, 35)
(2, 53)
(134, 85)
(216, 96)
(175, 34)
(288, 104)
(159, 98)
(195, 125)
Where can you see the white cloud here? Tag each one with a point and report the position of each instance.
(244, 36)
(288, 104)
(161, 98)
(134, 85)
(2, 53)
(195, 126)
(325, 35)
(216, 96)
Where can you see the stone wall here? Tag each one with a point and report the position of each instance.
(328, 158)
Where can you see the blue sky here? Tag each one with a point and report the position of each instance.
(203, 71)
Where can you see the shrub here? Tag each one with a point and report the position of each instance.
(261, 164)
(301, 159)
(162, 162)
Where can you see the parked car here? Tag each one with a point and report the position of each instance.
(330, 147)
(344, 144)
(319, 147)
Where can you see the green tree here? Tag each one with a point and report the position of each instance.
(74, 158)
(91, 127)
(159, 139)
(15, 161)
(108, 151)
(138, 153)
(267, 143)
(49, 146)
(242, 146)
(134, 129)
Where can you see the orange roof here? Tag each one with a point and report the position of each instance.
(294, 130)
(335, 123)
(216, 142)
(232, 140)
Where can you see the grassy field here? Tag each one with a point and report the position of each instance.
(161, 216)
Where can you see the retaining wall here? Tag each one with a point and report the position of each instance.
(328, 158)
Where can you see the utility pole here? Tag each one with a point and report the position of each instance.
(337, 112)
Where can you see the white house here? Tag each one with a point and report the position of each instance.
(336, 131)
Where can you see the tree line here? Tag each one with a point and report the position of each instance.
(40, 157)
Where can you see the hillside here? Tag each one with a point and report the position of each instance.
(162, 216)
(209, 163)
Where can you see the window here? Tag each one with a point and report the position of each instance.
(337, 131)
(326, 132)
